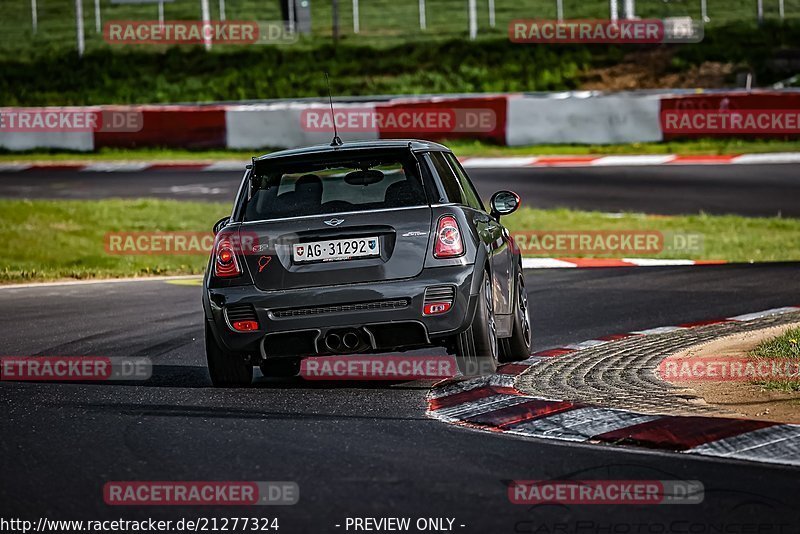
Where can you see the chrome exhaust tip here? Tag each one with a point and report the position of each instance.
(333, 342)
(351, 340)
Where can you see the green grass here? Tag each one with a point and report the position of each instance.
(381, 21)
(722, 237)
(783, 347)
(46, 240)
(47, 74)
(460, 147)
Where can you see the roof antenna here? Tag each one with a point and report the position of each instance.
(336, 140)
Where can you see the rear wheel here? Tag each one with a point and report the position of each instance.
(225, 369)
(477, 348)
(518, 346)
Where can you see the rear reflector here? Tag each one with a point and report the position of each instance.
(245, 326)
(448, 238)
(435, 308)
(438, 300)
(242, 317)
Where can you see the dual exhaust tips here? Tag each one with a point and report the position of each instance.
(349, 340)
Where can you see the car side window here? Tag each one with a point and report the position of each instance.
(473, 200)
(448, 177)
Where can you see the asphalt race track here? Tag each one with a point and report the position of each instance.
(753, 190)
(355, 449)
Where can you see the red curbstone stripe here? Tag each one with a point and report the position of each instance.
(704, 323)
(553, 352)
(703, 159)
(597, 262)
(710, 262)
(526, 411)
(469, 396)
(682, 432)
(512, 369)
(565, 160)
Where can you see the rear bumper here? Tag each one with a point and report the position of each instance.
(309, 329)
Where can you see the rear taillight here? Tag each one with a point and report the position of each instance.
(245, 326)
(226, 264)
(449, 243)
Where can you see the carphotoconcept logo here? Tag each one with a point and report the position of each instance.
(180, 32)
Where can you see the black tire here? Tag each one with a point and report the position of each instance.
(518, 346)
(477, 347)
(226, 370)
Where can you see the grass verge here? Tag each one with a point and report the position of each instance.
(785, 347)
(460, 147)
(48, 240)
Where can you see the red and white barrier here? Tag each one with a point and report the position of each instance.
(506, 119)
(583, 119)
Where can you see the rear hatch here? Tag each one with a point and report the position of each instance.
(336, 217)
(339, 249)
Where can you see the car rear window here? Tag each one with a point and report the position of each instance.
(299, 189)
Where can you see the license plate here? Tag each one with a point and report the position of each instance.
(336, 249)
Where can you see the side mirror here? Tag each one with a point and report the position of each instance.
(504, 203)
(220, 224)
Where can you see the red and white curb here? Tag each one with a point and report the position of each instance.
(572, 263)
(629, 160)
(492, 403)
(128, 166)
(470, 163)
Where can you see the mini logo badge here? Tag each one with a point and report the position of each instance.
(334, 222)
(414, 234)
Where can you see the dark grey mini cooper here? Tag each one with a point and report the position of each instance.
(367, 247)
